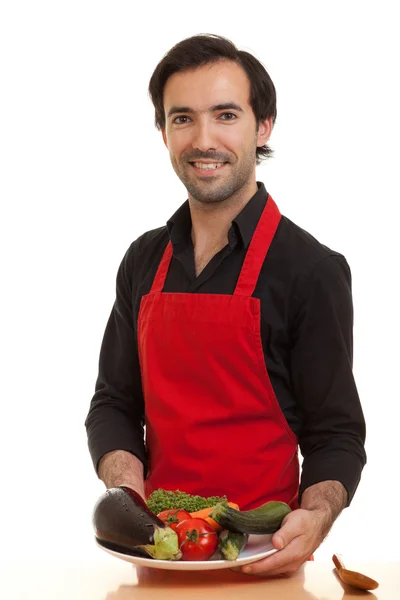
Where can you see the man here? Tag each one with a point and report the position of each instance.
(231, 333)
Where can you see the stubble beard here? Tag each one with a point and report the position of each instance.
(211, 191)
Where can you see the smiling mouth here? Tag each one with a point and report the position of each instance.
(208, 167)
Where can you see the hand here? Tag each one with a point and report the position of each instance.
(121, 468)
(138, 488)
(301, 533)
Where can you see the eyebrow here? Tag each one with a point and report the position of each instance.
(216, 107)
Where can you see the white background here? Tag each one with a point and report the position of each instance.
(84, 172)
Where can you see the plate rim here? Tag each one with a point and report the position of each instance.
(195, 565)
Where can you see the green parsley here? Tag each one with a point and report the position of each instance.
(161, 500)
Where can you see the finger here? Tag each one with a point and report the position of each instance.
(261, 575)
(273, 574)
(279, 562)
(269, 564)
(277, 541)
(239, 570)
(285, 568)
(287, 572)
(292, 527)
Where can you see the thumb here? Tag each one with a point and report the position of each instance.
(288, 531)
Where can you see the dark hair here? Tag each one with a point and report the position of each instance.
(204, 49)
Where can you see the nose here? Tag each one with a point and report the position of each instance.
(204, 137)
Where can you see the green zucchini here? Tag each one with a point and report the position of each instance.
(267, 518)
(230, 544)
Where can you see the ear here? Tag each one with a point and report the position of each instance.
(164, 136)
(264, 131)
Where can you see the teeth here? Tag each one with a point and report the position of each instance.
(207, 166)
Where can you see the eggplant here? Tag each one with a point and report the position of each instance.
(122, 521)
(122, 549)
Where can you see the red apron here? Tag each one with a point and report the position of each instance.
(213, 424)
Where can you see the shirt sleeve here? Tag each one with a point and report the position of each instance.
(332, 435)
(116, 415)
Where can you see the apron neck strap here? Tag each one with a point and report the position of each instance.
(161, 275)
(258, 249)
(255, 255)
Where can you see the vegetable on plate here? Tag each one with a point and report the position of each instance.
(205, 513)
(161, 500)
(267, 518)
(123, 522)
(173, 517)
(230, 544)
(197, 539)
(188, 527)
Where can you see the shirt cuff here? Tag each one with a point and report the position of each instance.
(106, 435)
(339, 465)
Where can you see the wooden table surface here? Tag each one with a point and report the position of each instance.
(112, 579)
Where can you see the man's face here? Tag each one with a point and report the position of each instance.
(211, 131)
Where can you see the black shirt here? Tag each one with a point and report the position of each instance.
(306, 329)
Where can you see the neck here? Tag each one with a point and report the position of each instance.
(211, 222)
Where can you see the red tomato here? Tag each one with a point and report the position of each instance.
(197, 539)
(173, 517)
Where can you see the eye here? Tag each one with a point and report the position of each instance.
(230, 115)
(178, 122)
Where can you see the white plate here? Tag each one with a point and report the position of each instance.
(258, 546)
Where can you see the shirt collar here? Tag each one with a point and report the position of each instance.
(247, 220)
(179, 226)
